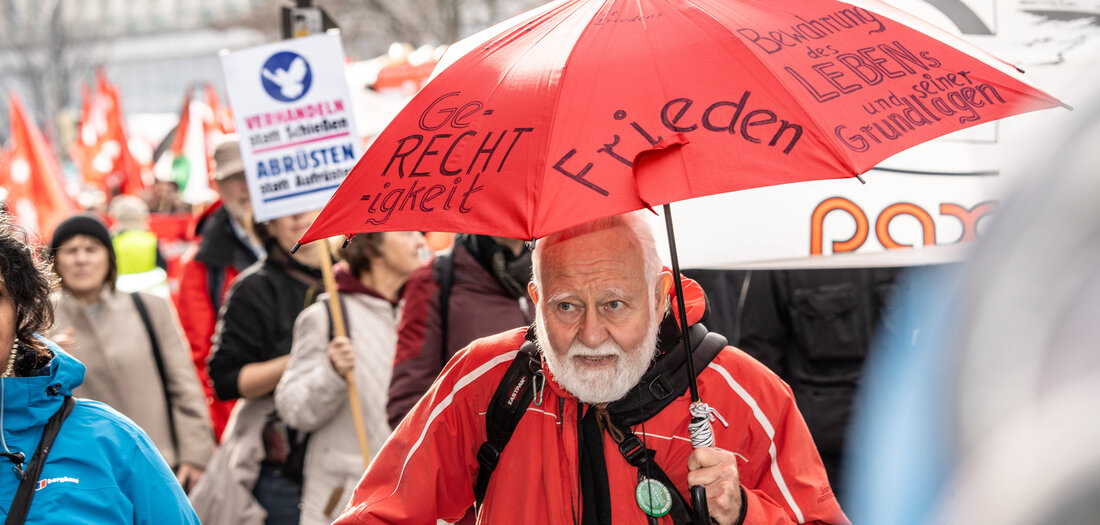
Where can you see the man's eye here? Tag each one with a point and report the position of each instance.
(615, 305)
(566, 307)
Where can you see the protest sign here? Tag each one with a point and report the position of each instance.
(294, 116)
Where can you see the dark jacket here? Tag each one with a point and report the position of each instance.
(206, 272)
(813, 328)
(257, 322)
(479, 306)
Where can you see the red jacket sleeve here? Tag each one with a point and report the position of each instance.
(198, 318)
(196, 311)
(782, 473)
(428, 466)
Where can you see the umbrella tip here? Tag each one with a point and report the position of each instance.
(1067, 106)
(347, 241)
(295, 248)
(861, 181)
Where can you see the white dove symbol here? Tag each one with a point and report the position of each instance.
(290, 79)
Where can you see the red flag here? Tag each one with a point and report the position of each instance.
(212, 129)
(181, 168)
(126, 170)
(102, 152)
(188, 160)
(33, 175)
(223, 118)
(83, 149)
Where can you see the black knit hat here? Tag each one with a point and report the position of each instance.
(81, 225)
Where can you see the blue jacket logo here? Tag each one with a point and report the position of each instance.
(286, 76)
(49, 481)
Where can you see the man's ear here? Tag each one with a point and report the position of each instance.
(531, 289)
(664, 284)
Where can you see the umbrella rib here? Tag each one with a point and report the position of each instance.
(658, 70)
(537, 181)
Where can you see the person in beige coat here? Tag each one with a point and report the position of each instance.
(312, 394)
(102, 328)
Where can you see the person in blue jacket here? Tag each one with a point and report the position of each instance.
(101, 468)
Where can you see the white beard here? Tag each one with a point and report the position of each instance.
(603, 385)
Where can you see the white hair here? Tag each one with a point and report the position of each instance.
(633, 221)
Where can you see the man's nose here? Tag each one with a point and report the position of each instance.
(592, 332)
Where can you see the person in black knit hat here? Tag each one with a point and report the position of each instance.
(144, 373)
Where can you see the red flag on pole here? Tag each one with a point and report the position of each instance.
(187, 161)
(222, 118)
(33, 177)
(102, 152)
(83, 150)
(126, 169)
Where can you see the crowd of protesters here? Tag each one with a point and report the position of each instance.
(231, 364)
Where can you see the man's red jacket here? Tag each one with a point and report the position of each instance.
(221, 250)
(428, 467)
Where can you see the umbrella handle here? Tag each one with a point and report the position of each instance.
(699, 505)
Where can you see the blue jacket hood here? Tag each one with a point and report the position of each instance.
(101, 469)
(30, 401)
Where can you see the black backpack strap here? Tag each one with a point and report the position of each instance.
(635, 452)
(343, 313)
(507, 406)
(159, 358)
(21, 503)
(443, 270)
(667, 379)
(215, 279)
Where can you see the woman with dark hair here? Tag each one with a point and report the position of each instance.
(101, 468)
(312, 395)
(137, 356)
(260, 483)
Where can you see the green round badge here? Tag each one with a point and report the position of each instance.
(653, 497)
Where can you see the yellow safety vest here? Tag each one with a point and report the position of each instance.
(135, 251)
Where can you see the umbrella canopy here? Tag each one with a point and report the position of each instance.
(586, 109)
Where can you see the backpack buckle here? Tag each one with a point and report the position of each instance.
(633, 449)
(660, 387)
(488, 456)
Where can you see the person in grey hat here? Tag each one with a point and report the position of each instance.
(226, 247)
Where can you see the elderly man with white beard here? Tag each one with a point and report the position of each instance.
(583, 418)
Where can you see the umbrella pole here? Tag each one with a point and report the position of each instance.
(339, 330)
(681, 309)
(698, 492)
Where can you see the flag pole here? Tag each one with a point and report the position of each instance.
(701, 433)
(339, 330)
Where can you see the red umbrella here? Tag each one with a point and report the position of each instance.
(586, 108)
(537, 128)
